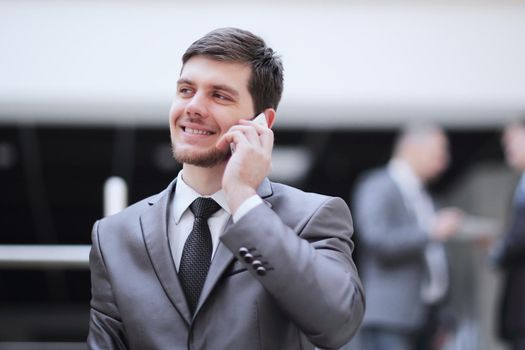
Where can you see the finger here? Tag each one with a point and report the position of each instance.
(260, 128)
(267, 140)
(250, 132)
(265, 134)
(235, 136)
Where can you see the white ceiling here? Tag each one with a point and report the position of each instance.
(357, 64)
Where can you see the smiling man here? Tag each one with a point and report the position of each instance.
(223, 258)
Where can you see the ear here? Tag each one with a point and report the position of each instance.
(269, 113)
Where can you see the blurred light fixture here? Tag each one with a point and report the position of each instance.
(115, 195)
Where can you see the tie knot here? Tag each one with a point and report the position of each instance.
(204, 207)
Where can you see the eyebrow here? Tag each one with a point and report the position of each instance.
(228, 89)
(184, 81)
(223, 87)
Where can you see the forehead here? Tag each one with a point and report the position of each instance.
(204, 70)
(430, 137)
(435, 141)
(441, 137)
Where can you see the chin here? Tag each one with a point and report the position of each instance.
(205, 159)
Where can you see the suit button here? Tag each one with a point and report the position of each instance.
(256, 264)
(243, 251)
(248, 258)
(261, 271)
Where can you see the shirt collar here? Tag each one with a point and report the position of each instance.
(185, 195)
(404, 176)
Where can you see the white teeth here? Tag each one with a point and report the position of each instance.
(197, 132)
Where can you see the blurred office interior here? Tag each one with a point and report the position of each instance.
(85, 89)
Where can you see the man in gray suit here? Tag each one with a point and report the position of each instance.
(402, 260)
(223, 258)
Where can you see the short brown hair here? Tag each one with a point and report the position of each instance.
(238, 45)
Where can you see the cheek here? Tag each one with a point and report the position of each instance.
(438, 163)
(520, 155)
(520, 147)
(176, 110)
(225, 122)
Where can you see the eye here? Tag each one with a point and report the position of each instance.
(185, 91)
(222, 97)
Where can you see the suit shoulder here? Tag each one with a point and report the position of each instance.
(377, 177)
(129, 215)
(280, 189)
(297, 208)
(297, 198)
(374, 174)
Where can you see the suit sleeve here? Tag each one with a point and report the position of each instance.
(105, 326)
(310, 271)
(382, 224)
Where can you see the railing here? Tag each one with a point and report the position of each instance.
(63, 256)
(44, 256)
(42, 346)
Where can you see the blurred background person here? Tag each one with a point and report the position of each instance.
(403, 262)
(509, 254)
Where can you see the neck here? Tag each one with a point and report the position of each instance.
(412, 164)
(205, 181)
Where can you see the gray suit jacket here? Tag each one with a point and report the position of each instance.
(392, 248)
(311, 293)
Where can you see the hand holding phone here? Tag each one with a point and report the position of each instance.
(260, 119)
(250, 161)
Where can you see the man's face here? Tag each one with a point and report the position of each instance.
(513, 141)
(211, 97)
(433, 156)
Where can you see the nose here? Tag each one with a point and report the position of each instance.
(197, 106)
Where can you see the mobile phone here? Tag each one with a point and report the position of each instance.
(259, 119)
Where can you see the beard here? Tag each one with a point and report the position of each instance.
(205, 159)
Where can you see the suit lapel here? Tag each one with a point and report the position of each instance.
(154, 225)
(223, 256)
(407, 205)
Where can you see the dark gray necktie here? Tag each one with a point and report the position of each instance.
(196, 256)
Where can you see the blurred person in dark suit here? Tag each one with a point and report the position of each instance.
(223, 258)
(509, 254)
(402, 259)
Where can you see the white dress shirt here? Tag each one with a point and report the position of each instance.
(181, 220)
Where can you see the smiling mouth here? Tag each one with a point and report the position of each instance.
(196, 131)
